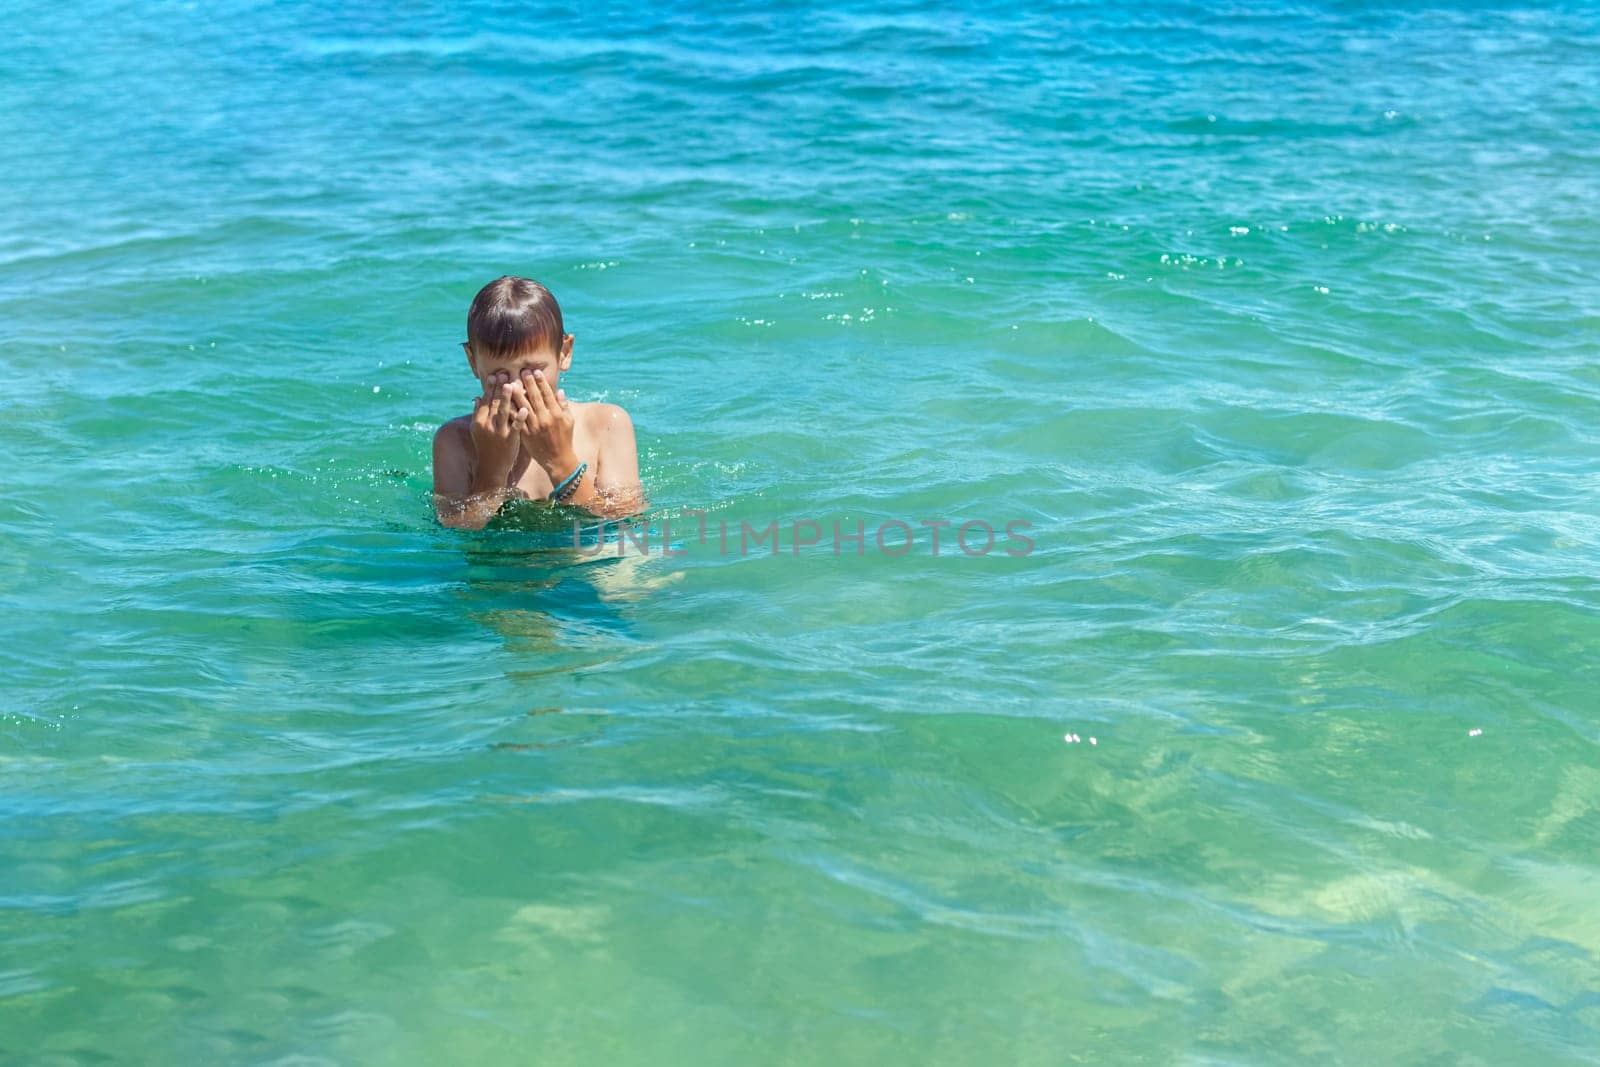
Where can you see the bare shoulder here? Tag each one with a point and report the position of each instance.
(452, 456)
(604, 418)
(457, 433)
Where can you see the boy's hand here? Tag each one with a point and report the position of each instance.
(494, 433)
(546, 426)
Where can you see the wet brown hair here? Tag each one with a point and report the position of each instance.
(512, 317)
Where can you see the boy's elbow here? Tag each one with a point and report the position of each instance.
(449, 519)
(452, 511)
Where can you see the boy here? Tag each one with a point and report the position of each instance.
(524, 438)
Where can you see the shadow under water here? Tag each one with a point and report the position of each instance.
(560, 584)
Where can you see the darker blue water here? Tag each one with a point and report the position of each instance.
(1274, 323)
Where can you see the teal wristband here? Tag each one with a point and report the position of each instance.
(570, 481)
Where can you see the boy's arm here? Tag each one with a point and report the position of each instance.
(455, 500)
(610, 489)
(618, 476)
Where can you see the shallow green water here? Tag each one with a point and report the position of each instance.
(1277, 325)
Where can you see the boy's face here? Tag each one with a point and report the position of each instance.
(493, 371)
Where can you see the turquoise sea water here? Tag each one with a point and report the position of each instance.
(1277, 323)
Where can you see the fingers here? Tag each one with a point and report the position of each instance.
(501, 410)
(547, 393)
(527, 418)
(495, 384)
(516, 404)
(535, 397)
(511, 406)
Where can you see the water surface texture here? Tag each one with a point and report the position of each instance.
(1276, 323)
